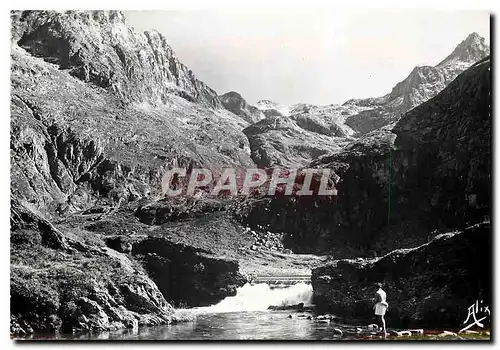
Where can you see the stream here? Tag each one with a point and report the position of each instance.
(244, 316)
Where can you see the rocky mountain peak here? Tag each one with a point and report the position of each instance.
(232, 94)
(235, 103)
(470, 50)
(99, 47)
(423, 83)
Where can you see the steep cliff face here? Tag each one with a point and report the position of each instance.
(423, 83)
(99, 47)
(440, 176)
(450, 136)
(347, 224)
(432, 172)
(432, 285)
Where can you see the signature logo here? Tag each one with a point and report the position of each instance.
(476, 314)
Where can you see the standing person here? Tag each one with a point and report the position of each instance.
(380, 306)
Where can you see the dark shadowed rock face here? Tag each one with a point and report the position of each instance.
(99, 47)
(349, 223)
(187, 275)
(429, 286)
(423, 83)
(450, 140)
(233, 102)
(437, 161)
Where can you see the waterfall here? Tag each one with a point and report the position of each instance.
(259, 297)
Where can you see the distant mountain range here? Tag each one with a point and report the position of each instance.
(423, 83)
(311, 123)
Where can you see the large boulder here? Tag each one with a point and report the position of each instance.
(429, 286)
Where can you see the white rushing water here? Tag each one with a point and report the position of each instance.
(259, 297)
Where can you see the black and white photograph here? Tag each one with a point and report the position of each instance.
(261, 173)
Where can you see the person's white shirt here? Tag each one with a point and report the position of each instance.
(383, 296)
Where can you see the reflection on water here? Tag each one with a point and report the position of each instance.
(240, 317)
(270, 325)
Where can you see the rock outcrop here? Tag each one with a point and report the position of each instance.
(274, 108)
(432, 285)
(186, 275)
(67, 282)
(233, 102)
(292, 141)
(449, 140)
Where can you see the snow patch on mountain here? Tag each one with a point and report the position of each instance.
(265, 105)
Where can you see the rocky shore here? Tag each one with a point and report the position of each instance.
(429, 286)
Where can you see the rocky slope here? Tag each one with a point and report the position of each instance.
(66, 151)
(429, 286)
(273, 108)
(291, 142)
(69, 282)
(450, 140)
(100, 48)
(328, 120)
(423, 83)
(435, 165)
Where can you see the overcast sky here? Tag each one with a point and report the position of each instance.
(311, 56)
